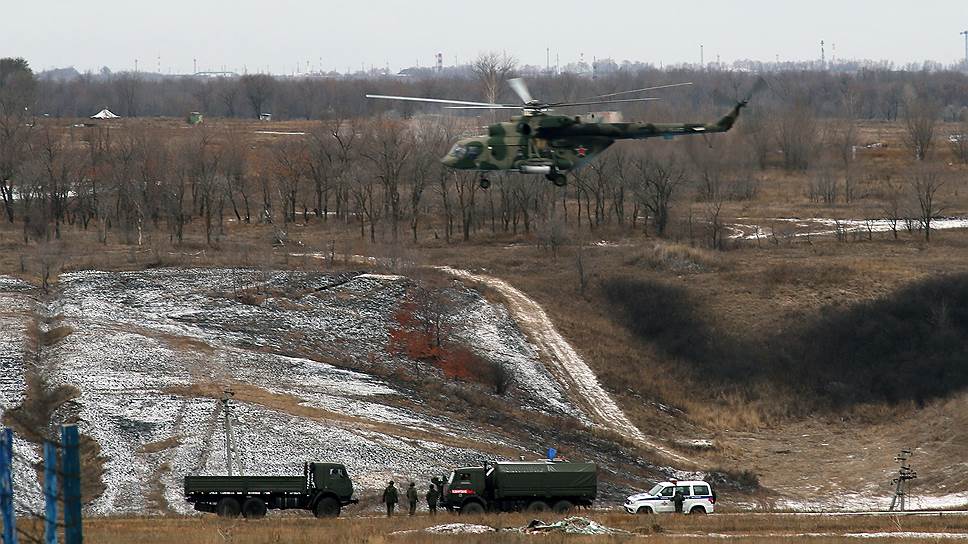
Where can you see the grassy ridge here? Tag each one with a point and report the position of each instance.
(908, 346)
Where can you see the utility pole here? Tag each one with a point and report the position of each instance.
(904, 474)
(702, 57)
(823, 57)
(229, 436)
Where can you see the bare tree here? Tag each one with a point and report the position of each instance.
(659, 180)
(925, 181)
(893, 207)
(959, 142)
(128, 89)
(797, 135)
(845, 139)
(920, 124)
(258, 90)
(389, 149)
(491, 70)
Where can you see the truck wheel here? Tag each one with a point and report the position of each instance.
(698, 510)
(472, 509)
(645, 510)
(563, 507)
(228, 507)
(253, 508)
(327, 507)
(537, 507)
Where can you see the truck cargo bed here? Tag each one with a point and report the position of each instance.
(244, 484)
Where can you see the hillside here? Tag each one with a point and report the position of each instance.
(141, 358)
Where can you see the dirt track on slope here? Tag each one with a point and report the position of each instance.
(566, 364)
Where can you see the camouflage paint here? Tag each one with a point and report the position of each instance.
(562, 141)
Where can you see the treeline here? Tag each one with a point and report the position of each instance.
(871, 93)
(378, 173)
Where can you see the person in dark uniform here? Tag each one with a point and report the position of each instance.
(390, 498)
(412, 498)
(678, 499)
(432, 496)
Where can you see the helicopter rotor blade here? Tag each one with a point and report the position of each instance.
(494, 107)
(436, 100)
(521, 89)
(640, 90)
(563, 104)
(758, 87)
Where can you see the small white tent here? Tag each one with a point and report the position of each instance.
(105, 114)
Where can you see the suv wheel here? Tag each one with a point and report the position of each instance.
(645, 510)
(698, 510)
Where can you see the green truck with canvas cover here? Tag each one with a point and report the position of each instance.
(323, 489)
(513, 486)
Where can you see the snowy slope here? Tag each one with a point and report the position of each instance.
(143, 340)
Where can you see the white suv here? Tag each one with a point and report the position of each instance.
(700, 499)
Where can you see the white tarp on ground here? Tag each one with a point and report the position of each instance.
(105, 114)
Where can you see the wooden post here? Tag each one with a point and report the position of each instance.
(71, 473)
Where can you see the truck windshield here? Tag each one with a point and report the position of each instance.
(655, 490)
(452, 476)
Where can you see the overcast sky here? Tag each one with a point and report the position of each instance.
(257, 35)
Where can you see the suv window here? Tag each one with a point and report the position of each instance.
(667, 492)
(700, 489)
(684, 489)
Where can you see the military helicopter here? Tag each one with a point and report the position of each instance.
(538, 143)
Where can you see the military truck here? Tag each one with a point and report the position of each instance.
(323, 489)
(510, 486)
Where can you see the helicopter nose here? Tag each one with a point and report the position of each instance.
(449, 160)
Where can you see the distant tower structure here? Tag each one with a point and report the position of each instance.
(965, 34)
(823, 56)
(194, 66)
(702, 56)
(440, 62)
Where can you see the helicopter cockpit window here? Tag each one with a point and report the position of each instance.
(458, 151)
(473, 151)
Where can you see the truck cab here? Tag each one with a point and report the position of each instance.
(331, 478)
(464, 485)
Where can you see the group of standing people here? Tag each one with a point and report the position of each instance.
(391, 497)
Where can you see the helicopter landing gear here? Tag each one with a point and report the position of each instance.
(558, 179)
(485, 183)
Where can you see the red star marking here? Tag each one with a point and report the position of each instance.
(581, 151)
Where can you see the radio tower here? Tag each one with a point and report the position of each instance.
(440, 62)
(823, 57)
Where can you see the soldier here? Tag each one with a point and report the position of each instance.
(678, 499)
(390, 498)
(412, 498)
(432, 496)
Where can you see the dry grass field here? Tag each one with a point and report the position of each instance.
(378, 530)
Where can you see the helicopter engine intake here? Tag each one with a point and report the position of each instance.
(533, 169)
